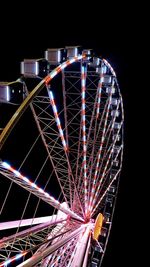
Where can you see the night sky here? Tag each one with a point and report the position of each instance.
(111, 32)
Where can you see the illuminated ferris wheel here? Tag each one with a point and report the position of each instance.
(61, 156)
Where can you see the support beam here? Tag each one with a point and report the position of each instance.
(27, 222)
(35, 259)
(29, 231)
(81, 248)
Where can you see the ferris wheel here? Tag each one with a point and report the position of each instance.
(60, 162)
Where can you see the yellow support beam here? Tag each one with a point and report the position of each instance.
(98, 226)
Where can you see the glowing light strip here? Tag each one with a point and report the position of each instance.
(100, 90)
(94, 186)
(36, 68)
(83, 83)
(7, 93)
(17, 257)
(50, 76)
(51, 199)
(57, 120)
(109, 66)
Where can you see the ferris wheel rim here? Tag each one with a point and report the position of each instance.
(36, 90)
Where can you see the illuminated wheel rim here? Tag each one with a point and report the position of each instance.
(73, 158)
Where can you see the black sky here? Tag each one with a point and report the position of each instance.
(112, 32)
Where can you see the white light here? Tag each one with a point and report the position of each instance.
(83, 117)
(53, 74)
(18, 256)
(76, 51)
(58, 56)
(84, 158)
(83, 82)
(7, 93)
(64, 143)
(47, 195)
(83, 94)
(64, 65)
(16, 173)
(61, 132)
(36, 68)
(51, 95)
(102, 79)
(26, 179)
(98, 100)
(79, 57)
(54, 109)
(41, 190)
(72, 60)
(34, 185)
(104, 69)
(7, 262)
(58, 121)
(84, 148)
(84, 138)
(83, 106)
(6, 165)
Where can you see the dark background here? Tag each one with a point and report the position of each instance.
(113, 31)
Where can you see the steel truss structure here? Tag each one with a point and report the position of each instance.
(61, 150)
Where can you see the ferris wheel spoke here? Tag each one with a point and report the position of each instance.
(79, 163)
(58, 157)
(43, 223)
(83, 112)
(97, 134)
(54, 145)
(79, 254)
(39, 256)
(105, 167)
(73, 101)
(17, 177)
(65, 107)
(106, 177)
(108, 142)
(57, 233)
(71, 177)
(99, 153)
(25, 222)
(61, 256)
(100, 91)
(94, 120)
(88, 138)
(100, 200)
(33, 239)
